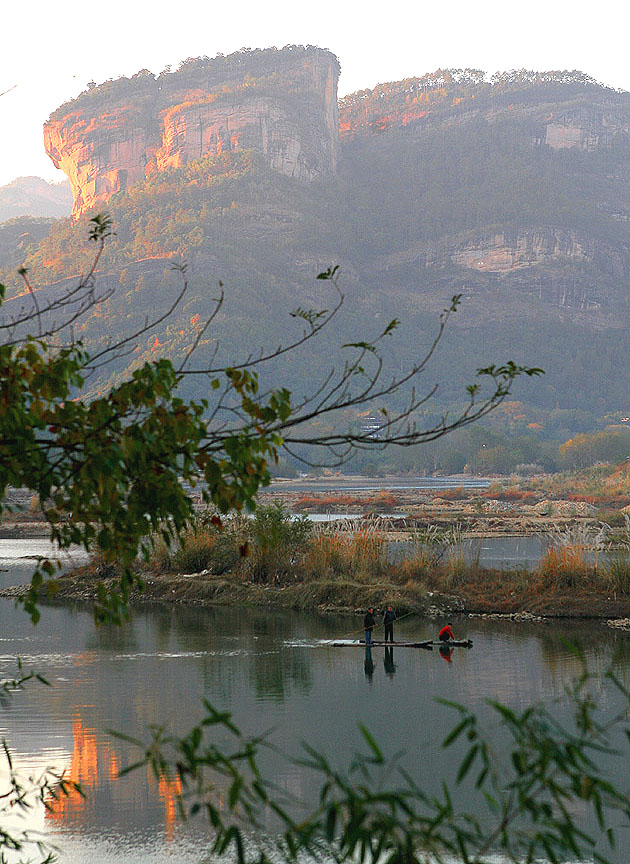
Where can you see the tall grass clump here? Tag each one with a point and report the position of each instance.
(437, 555)
(571, 560)
(359, 555)
(565, 567)
(204, 546)
(195, 553)
(617, 571)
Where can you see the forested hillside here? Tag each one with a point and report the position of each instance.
(512, 191)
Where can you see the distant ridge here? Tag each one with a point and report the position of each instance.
(34, 196)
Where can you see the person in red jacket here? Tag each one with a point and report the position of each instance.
(446, 633)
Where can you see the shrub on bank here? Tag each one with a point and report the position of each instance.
(276, 544)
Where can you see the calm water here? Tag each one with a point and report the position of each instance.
(499, 553)
(274, 673)
(376, 484)
(19, 556)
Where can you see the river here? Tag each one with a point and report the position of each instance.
(274, 672)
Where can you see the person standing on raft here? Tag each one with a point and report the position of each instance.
(388, 623)
(368, 623)
(446, 634)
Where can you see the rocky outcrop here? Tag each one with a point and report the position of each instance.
(259, 124)
(504, 252)
(553, 265)
(280, 104)
(501, 252)
(587, 130)
(100, 156)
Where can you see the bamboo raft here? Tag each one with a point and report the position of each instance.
(428, 644)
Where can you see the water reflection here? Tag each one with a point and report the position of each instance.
(18, 557)
(92, 764)
(368, 663)
(388, 661)
(446, 653)
(273, 672)
(614, 845)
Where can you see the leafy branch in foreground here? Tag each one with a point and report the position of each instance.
(540, 791)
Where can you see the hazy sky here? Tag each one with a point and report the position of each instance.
(51, 50)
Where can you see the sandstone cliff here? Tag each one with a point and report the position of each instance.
(281, 104)
(557, 266)
(587, 129)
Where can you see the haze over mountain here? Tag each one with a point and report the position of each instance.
(33, 196)
(512, 191)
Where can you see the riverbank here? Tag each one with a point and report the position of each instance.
(517, 594)
(24, 530)
(277, 559)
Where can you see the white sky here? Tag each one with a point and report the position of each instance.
(49, 51)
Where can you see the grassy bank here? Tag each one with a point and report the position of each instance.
(478, 591)
(275, 560)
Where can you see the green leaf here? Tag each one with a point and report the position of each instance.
(454, 734)
(371, 743)
(467, 761)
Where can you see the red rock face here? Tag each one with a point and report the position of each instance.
(98, 164)
(585, 129)
(104, 143)
(257, 124)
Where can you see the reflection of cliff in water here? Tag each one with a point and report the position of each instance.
(556, 641)
(257, 636)
(563, 648)
(95, 765)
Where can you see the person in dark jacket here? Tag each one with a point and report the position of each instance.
(446, 633)
(369, 622)
(388, 622)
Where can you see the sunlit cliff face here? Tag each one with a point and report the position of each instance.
(106, 141)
